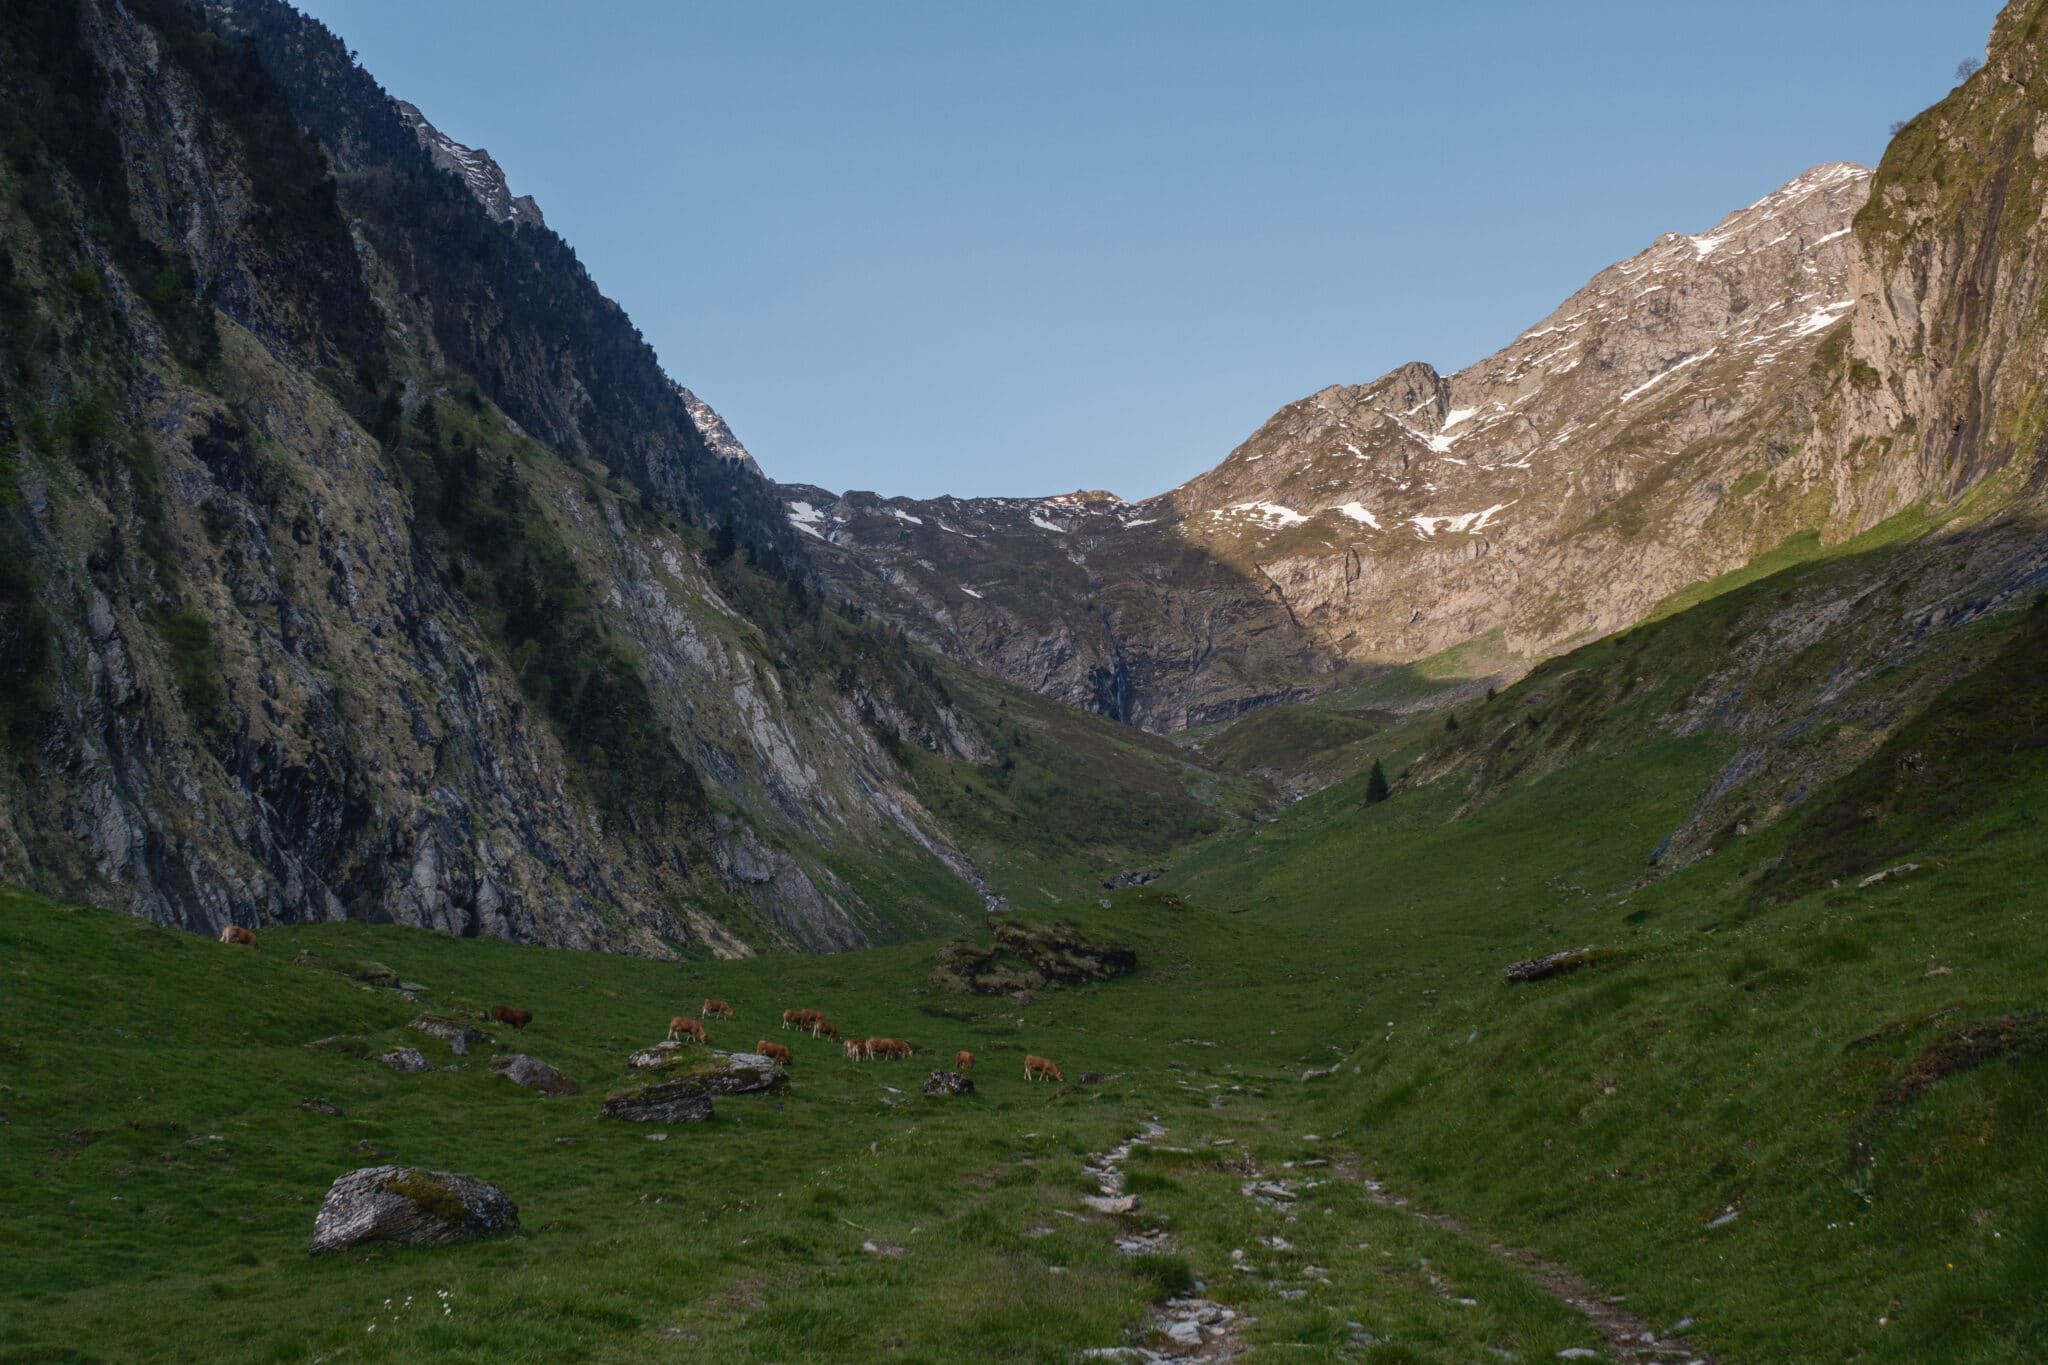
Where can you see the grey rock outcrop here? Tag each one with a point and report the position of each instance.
(948, 1083)
(687, 1098)
(534, 1074)
(459, 1036)
(407, 1059)
(407, 1206)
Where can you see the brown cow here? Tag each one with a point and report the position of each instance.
(505, 1014)
(801, 1019)
(688, 1027)
(235, 933)
(964, 1061)
(1037, 1067)
(774, 1052)
(825, 1028)
(856, 1049)
(715, 1009)
(894, 1049)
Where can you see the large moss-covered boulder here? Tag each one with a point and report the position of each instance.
(969, 969)
(1062, 953)
(407, 1206)
(1029, 955)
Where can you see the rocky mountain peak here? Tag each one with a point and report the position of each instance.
(718, 437)
(474, 167)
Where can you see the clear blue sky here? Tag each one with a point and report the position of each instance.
(1020, 248)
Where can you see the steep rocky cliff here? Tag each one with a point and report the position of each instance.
(357, 558)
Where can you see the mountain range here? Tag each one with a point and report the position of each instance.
(362, 562)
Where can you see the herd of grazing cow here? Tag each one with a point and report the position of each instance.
(808, 1021)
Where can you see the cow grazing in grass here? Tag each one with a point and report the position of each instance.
(505, 1014)
(1036, 1068)
(856, 1049)
(894, 1049)
(801, 1019)
(235, 933)
(715, 1009)
(963, 1061)
(774, 1052)
(825, 1028)
(687, 1028)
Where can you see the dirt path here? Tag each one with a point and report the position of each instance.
(1630, 1340)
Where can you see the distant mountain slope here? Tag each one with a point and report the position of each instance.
(1634, 441)
(357, 559)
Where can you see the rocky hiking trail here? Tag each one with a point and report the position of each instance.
(1193, 1328)
(1189, 1327)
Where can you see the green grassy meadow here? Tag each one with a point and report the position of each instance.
(1855, 1072)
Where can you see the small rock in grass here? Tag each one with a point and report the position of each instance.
(1578, 1353)
(369, 1148)
(948, 1083)
(320, 1106)
(1725, 1219)
(657, 1137)
(880, 1249)
(1119, 1203)
(533, 1073)
(407, 1059)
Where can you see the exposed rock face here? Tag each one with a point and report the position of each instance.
(534, 1074)
(407, 1206)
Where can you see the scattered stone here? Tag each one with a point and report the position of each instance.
(407, 1059)
(1112, 1203)
(1094, 1077)
(657, 1137)
(1021, 997)
(406, 1206)
(880, 1249)
(534, 1074)
(662, 1056)
(320, 1106)
(1316, 1073)
(367, 972)
(1725, 1219)
(1185, 1332)
(1578, 1353)
(1941, 971)
(1556, 964)
(371, 1149)
(1874, 878)
(458, 1035)
(948, 1083)
(1103, 903)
